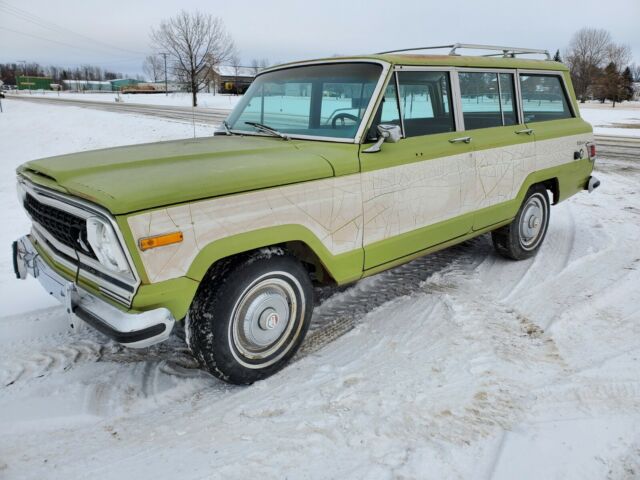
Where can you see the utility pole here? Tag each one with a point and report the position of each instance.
(24, 71)
(166, 89)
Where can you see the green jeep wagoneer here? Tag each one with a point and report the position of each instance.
(326, 171)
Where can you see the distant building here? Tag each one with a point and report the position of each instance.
(120, 84)
(636, 91)
(33, 83)
(96, 86)
(229, 79)
(86, 86)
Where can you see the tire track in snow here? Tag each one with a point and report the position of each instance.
(49, 360)
(341, 312)
(143, 376)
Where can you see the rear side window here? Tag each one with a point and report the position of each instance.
(425, 100)
(487, 99)
(543, 98)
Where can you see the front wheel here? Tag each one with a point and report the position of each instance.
(250, 316)
(523, 236)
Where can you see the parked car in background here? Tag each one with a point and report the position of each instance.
(326, 172)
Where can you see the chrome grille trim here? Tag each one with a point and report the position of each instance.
(106, 280)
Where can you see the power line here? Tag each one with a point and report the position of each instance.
(43, 23)
(80, 47)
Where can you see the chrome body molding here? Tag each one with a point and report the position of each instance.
(120, 286)
(135, 330)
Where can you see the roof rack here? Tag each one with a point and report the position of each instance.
(507, 52)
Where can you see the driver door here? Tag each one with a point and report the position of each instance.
(415, 191)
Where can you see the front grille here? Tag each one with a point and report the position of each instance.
(63, 226)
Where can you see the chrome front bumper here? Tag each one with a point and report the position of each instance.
(136, 330)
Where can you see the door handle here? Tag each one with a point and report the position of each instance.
(460, 140)
(528, 131)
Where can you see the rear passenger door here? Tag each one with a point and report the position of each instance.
(413, 190)
(549, 114)
(504, 148)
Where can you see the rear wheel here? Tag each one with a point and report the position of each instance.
(523, 236)
(250, 315)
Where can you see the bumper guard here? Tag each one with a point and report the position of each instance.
(135, 330)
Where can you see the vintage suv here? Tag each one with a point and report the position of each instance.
(326, 171)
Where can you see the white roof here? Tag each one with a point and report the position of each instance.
(86, 82)
(229, 71)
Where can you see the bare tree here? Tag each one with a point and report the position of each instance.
(153, 68)
(619, 55)
(194, 41)
(587, 53)
(234, 61)
(257, 65)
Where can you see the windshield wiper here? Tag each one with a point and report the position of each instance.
(267, 129)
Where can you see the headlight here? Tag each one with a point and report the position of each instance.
(105, 245)
(22, 193)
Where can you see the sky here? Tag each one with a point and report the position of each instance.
(115, 34)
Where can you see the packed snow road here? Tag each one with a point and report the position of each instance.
(211, 116)
(458, 365)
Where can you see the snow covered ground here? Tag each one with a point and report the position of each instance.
(458, 365)
(623, 120)
(180, 99)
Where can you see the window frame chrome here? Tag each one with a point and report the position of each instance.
(563, 83)
(498, 71)
(55, 249)
(366, 115)
(453, 84)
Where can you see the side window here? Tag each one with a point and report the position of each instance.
(425, 101)
(389, 106)
(507, 98)
(487, 99)
(543, 98)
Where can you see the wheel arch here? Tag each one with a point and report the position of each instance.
(296, 240)
(553, 186)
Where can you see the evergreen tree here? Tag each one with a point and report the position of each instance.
(610, 84)
(627, 84)
(557, 57)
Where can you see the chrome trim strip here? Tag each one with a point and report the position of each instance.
(83, 209)
(398, 102)
(121, 295)
(516, 82)
(456, 103)
(134, 329)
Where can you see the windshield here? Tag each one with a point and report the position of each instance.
(326, 100)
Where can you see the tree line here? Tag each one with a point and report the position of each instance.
(10, 71)
(600, 68)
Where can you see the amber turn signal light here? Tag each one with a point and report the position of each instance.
(160, 240)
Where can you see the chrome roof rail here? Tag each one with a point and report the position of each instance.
(507, 52)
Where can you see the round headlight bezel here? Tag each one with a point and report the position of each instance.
(106, 245)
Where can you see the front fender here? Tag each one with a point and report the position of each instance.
(343, 268)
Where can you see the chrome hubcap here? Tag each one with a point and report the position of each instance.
(532, 222)
(262, 319)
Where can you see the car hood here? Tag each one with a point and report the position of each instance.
(140, 177)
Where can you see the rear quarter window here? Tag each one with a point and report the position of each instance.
(543, 98)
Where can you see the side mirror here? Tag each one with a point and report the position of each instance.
(388, 133)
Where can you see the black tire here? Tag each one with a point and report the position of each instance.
(240, 305)
(523, 236)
